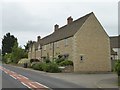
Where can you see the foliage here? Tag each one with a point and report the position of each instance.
(17, 53)
(53, 68)
(117, 67)
(7, 58)
(59, 60)
(47, 60)
(47, 67)
(27, 45)
(38, 66)
(8, 43)
(34, 60)
(66, 63)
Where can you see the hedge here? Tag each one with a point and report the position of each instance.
(66, 63)
(47, 67)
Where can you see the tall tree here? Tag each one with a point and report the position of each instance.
(27, 45)
(8, 43)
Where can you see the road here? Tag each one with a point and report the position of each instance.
(32, 76)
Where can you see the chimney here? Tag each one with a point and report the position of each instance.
(69, 20)
(56, 27)
(38, 38)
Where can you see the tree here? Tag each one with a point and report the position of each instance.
(17, 53)
(8, 43)
(117, 69)
(27, 45)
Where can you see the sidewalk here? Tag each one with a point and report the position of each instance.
(89, 80)
(108, 83)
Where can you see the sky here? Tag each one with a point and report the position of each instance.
(27, 19)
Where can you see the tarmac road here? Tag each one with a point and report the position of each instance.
(42, 78)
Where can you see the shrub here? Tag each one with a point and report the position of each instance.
(47, 67)
(66, 63)
(59, 60)
(117, 67)
(47, 60)
(53, 68)
(38, 66)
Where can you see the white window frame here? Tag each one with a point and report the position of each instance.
(57, 44)
(39, 47)
(33, 48)
(44, 47)
(50, 46)
(66, 41)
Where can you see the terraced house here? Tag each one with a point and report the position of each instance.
(84, 41)
(115, 47)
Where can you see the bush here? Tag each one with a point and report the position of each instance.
(47, 67)
(38, 66)
(34, 60)
(117, 67)
(59, 60)
(53, 68)
(66, 63)
(47, 60)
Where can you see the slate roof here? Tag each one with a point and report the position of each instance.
(115, 42)
(65, 31)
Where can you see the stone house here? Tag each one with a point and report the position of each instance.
(84, 41)
(115, 47)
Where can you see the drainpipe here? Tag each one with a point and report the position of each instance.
(53, 50)
(35, 53)
(41, 52)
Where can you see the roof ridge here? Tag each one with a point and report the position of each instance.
(65, 31)
(87, 15)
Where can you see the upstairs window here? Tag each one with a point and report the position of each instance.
(57, 44)
(33, 48)
(66, 42)
(51, 46)
(44, 47)
(39, 47)
(30, 49)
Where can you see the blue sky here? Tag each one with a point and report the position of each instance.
(27, 19)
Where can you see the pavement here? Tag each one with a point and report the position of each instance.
(90, 80)
(101, 81)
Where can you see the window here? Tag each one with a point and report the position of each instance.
(66, 42)
(38, 47)
(33, 48)
(30, 49)
(81, 58)
(44, 47)
(57, 45)
(50, 46)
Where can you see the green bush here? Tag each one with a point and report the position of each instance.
(59, 60)
(47, 67)
(53, 68)
(38, 66)
(66, 63)
(117, 67)
(47, 60)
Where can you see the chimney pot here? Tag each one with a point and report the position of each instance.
(56, 27)
(38, 38)
(69, 20)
